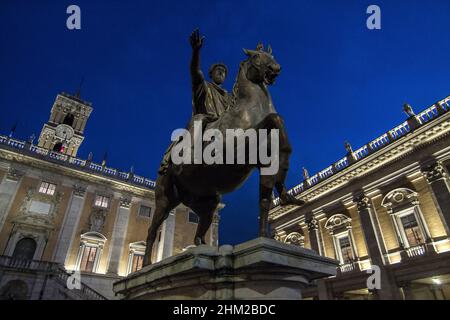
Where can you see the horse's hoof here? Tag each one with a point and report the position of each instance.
(197, 241)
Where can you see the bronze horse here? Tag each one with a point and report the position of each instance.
(200, 186)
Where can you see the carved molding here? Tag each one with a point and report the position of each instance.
(400, 198)
(295, 238)
(434, 172)
(86, 176)
(362, 202)
(79, 190)
(14, 174)
(125, 202)
(401, 149)
(36, 219)
(279, 234)
(337, 221)
(313, 224)
(97, 220)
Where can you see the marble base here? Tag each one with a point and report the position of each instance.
(262, 268)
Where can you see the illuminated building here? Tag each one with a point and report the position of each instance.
(386, 204)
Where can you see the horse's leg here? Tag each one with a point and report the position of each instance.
(274, 121)
(266, 184)
(166, 200)
(205, 210)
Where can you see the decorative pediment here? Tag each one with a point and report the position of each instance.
(138, 246)
(93, 238)
(338, 221)
(399, 199)
(295, 238)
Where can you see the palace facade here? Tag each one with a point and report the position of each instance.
(382, 211)
(62, 216)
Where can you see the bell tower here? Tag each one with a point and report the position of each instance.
(64, 131)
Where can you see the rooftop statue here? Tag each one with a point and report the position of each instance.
(250, 106)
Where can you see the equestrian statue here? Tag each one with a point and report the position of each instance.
(248, 106)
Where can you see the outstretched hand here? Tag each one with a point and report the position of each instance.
(196, 40)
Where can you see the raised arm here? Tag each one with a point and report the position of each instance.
(196, 44)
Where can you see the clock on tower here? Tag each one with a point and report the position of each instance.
(64, 131)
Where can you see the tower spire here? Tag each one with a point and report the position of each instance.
(78, 93)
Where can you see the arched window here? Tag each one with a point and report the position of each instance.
(412, 231)
(136, 256)
(91, 248)
(68, 119)
(25, 249)
(340, 228)
(58, 147)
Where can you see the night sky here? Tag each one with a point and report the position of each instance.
(339, 81)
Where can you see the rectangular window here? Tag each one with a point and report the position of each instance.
(47, 188)
(101, 201)
(346, 249)
(412, 230)
(193, 217)
(145, 211)
(88, 259)
(138, 259)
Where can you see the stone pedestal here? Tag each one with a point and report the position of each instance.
(258, 269)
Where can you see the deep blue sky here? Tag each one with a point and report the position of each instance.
(339, 80)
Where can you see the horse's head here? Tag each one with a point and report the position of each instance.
(261, 65)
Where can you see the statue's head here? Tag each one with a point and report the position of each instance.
(263, 67)
(218, 73)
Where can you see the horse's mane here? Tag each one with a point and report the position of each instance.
(235, 90)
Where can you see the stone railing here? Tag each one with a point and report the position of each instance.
(35, 265)
(85, 291)
(415, 251)
(347, 267)
(85, 165)
(52, 268)
(379, 143)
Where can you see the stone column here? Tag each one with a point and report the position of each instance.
(169, 230)
(214, 231)
(373, 243)
(70, 224)
(118, 235)
(438, 180)
(375, 246)
(8, 190)
(313, 230)
(161, 235)
(165, 245)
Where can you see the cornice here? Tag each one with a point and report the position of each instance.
(91, 177)
(414, 142)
